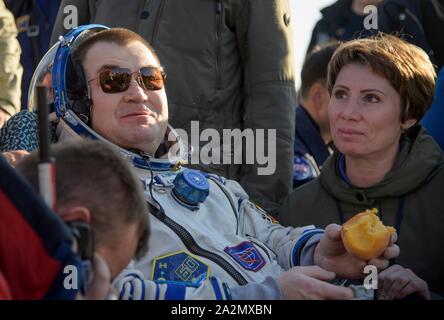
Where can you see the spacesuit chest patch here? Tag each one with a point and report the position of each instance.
(180, 267)
(246, 254)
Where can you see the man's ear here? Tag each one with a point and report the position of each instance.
(317, 95)
(74, 213)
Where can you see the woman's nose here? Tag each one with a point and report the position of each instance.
(351, 110)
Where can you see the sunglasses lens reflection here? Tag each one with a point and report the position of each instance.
(119, 79)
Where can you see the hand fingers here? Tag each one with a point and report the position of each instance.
(101, 283)
(333, 231)
(392, 288)
(394, 238)
(100, 267)
(397, 282)
(391, 252)
(384, 283)
(317, 273)
(331, 292)
(411, 288)
(387, 272)
(14, 157)
(380, 263)
(415, 285)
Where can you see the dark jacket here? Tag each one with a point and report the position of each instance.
(35, 244)
(409, 198)
(410, 18)
(434, 117)
(310, 151)
(229, 64)
(35, 20)
(10, 68)
(338, 22)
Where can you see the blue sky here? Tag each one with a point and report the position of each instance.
(305, 13)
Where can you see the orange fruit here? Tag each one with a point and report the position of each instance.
(365, 236)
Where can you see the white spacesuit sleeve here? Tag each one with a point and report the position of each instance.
(288, 243)
(269, 289)
(131, 285)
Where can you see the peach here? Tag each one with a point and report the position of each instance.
(365, 236)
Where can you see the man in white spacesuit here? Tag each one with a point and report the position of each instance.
(207, 239)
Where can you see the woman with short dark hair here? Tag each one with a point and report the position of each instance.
(380, 88)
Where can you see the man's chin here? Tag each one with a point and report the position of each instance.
(143, 140)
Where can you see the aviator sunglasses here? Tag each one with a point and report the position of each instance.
(115, 80)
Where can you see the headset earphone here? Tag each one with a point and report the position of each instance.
(84, 236)
(69, 84)
(78, 91)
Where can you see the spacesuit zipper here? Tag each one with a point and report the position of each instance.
(194, 248)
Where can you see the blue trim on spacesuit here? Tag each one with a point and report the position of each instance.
(216, 288)
(175, 292)
(297, 249)
(157, 292)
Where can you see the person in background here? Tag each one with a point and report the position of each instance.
(418, 22)
(102, 203)
(434, 117)
(343, 20)
(312, 135)
(10, 68)
(35, 245)
(35, 20)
